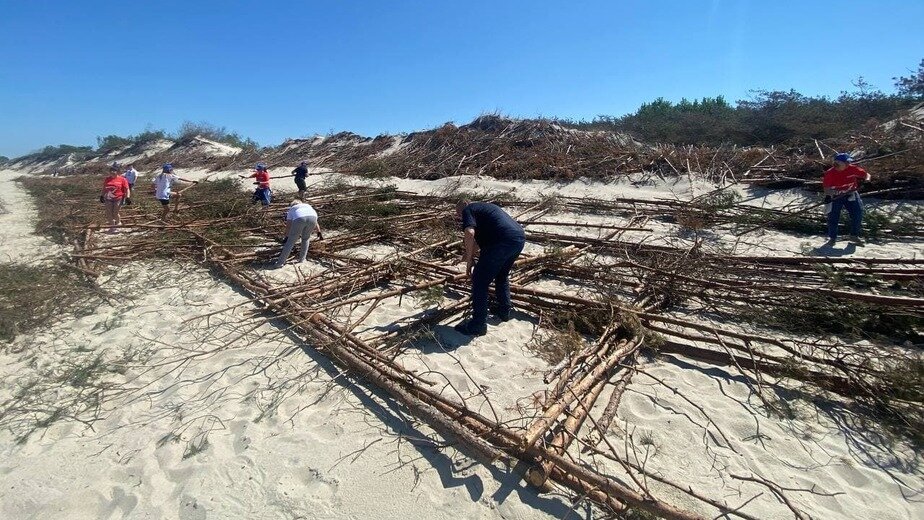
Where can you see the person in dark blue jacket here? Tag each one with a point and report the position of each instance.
(301, 173)
(489, 228)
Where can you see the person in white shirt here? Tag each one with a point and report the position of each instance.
(301, 221)
(163, 185)
(131, 175)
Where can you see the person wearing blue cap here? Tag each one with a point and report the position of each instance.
(840, 185)
(163, 188)
(262, 194)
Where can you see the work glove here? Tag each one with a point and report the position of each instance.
(128, 201)
(320, 236)
(827, 199)
(102, 200)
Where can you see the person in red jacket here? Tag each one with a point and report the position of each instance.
(115, 190)
(841, 184)
(262, 194)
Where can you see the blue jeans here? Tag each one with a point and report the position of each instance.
(494, 264)
(854, 208)
(263, 196)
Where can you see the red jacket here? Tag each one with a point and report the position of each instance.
(262, 179)
(115, 187)
(847, 179)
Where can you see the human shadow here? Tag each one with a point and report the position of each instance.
(831, 251)
(387, 410)
(444, 339)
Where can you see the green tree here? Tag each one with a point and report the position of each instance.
(912, 86)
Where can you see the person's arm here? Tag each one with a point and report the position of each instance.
(317, 227)
(468, 240)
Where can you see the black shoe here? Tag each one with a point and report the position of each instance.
(497, 312)
(469, 328)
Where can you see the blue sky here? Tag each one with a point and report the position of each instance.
(72, 70)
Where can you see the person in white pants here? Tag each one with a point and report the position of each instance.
(301, 221)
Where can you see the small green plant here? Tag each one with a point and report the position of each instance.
(431, 296)
(557, 345)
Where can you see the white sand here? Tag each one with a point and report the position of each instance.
(287, 437)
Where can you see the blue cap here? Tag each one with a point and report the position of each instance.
(168, 168)
(843, 157)
(260, 166)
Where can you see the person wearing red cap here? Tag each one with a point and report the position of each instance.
(840, 184)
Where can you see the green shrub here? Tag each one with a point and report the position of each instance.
(767, 118)
(51, 153)
(189, 130)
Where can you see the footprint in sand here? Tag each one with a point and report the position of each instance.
(190, 509)
(319, 486)
(241, 444)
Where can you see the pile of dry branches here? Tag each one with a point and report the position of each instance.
(624, 297)
(543, 149)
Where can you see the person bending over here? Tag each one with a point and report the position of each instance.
(301, 221)
(500, 239)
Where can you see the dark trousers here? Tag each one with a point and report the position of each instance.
(493, 265)
(300, 182)
(854, 208)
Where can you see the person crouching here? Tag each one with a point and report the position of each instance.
(301, 221)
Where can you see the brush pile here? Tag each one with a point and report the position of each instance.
(622, 299)
(544, 149)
